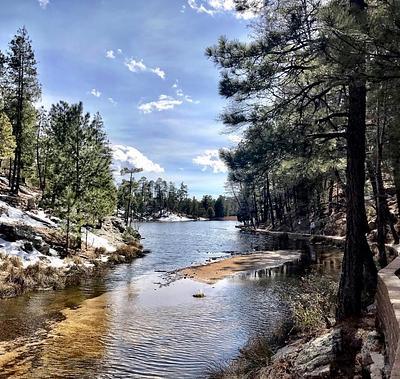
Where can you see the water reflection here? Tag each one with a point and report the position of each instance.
(128, 325)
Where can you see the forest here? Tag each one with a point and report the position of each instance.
(148, 199)
(314, 96)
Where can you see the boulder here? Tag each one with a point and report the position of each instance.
(319, 352)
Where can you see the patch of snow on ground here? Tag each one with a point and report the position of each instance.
(97, 242)
(11, 215)
(174, 218)
(28, 258)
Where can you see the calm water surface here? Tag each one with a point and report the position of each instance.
(130, 325)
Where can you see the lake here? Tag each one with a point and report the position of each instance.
(131, 324)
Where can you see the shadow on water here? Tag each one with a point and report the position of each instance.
(129, 325)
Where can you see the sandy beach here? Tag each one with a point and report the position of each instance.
(214, 271)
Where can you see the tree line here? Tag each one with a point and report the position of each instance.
(314, 96)
(145, 199)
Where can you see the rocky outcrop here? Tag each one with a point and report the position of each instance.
(313, 359)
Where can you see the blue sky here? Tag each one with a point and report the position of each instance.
(141, 64)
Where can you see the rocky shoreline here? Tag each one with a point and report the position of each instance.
(33, 255)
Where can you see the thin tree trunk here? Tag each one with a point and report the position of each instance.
(380, 215)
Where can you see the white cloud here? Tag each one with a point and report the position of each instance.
(95, 92)
(112, 101)
(210, 159)
(119, 51)
(183, 9)
(43, 3)
(128, 156)
(134, 65)
(179, 92)
(158, 72)
(190, 100)
(213, 7)
(110, 54)
(163, 103)
(139, 66)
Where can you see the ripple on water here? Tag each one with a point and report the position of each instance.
(138, 329)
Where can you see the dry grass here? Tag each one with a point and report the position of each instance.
(312, 305)
(15, 279)
(253, 357)
(126, 253)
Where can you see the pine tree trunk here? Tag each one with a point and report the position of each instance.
(357, 254)
(330, 197)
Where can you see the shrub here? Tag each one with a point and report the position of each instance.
(130, 235)
(313, 303)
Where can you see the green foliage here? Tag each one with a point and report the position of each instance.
(219, 207)
(210, 212)
(21, 91)
(149, 198)
(7, 139)
(130, 235)
(79, 158)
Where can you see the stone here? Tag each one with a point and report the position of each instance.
(288, 351)
(28, 247)
(320, 372)
(378, 365)
(319, 352)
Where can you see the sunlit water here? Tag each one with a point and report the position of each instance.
(130, 325)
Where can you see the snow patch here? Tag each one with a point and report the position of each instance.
(97, 242)
(11, 216)
(16, 249)
(174, 218)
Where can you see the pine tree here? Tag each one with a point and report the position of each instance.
(219, 207)
(21, 91)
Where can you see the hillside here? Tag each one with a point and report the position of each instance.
(32, 246)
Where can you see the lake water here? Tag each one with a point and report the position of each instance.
(129, 324)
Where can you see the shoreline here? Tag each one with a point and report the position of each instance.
(211, 272)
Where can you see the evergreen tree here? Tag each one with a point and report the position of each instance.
(21, 91)
(219, 207)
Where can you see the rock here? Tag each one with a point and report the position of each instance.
(28, 247)
(45, 249)
(378, 365)
(319, 352)
(288, 351)
(371, 308)
(320, 372)
(41, 246)
(118, 224)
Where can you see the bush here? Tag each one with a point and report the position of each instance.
(313, 304)
(130, 235)
(126, 253)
